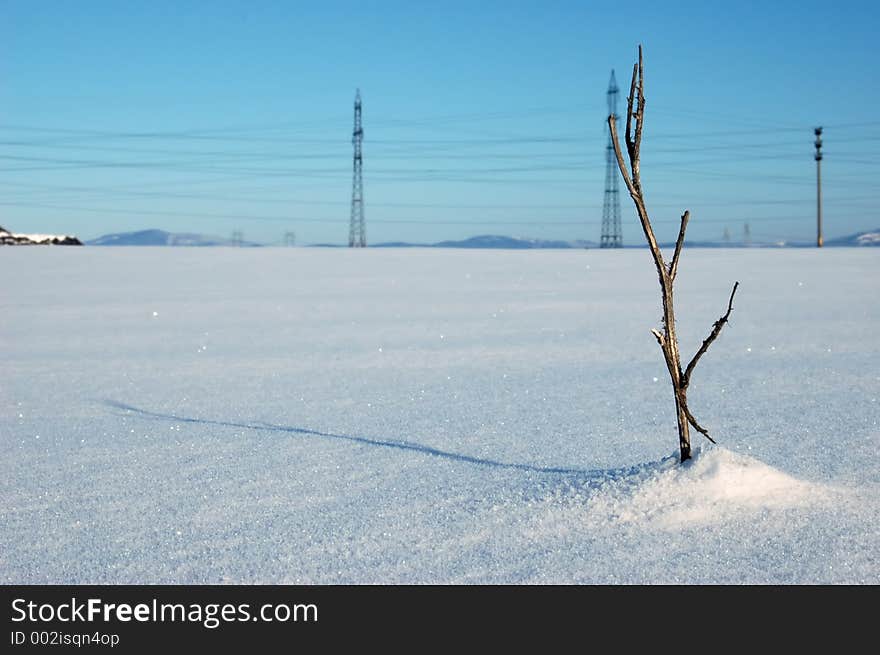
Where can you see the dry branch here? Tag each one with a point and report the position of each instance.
(699, 428)
(635, 116)
(679, 242)
(716, 330)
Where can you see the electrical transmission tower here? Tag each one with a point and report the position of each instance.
(611, 234)
(289, 239)
(237, 239)
(357, 233)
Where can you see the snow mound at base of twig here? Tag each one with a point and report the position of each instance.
(706, 489)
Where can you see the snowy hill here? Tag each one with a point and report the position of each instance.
(859, 239)
(509, 243)
(8, 238)
(493, 241)
(709, 488)
(162, 238)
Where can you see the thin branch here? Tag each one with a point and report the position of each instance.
(612, 123)
(673, 267)
(716, 330)
(659, 336)
(629, 111)
(690, 417)
(640, 109)
(668, 357)
(636, 194)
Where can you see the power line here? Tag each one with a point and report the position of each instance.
(331, 220)
(690, 200)
(235, 153)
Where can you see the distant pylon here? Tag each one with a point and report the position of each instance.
(611, 233)
(289, 239)
(357, 232)
(747, 235)
(237, 239)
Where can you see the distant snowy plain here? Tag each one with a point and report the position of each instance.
(177, 415)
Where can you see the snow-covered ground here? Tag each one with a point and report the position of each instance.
(329, 416)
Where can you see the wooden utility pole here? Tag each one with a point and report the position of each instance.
(818, 132)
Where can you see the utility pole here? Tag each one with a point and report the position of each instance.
(611, 233)
(357, 233)
(818, 132)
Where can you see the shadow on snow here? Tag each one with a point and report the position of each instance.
(384, 443)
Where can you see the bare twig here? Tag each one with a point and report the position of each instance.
(635, 116)
(640, 115)
(635, 193)
(673, 267)
(668, 356)
(629, 111)
(716, 330)
(659, 336)
(612, 124)
(699, 428)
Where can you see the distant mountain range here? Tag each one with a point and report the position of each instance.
(486, 241)
(493, 241)
(162, 238)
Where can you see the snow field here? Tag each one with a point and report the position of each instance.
(326, 416)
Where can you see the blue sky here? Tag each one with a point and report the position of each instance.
(479, 118)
